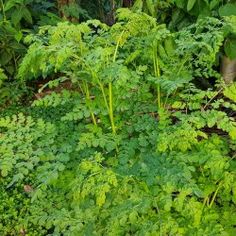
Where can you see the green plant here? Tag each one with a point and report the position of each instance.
(2, 76)
(123, 140)
(103, 67)
(181, 13)
(11, 16)
(16, 20)
(81, 185)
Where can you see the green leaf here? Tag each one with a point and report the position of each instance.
(27, 15)
(213, 4)
(178, 105)
(180, 3)
(5, 57)
(228, 9)
(230, 92)
(151, 8)
(2, 76)
(138, 5)
(230, 48)
(12, 3)
(4, 172)
(18, 36)
(232, 133)
(17, 16)
(9, 28)
(190, 4)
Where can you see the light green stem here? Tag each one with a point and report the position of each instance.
(157, 74)
(214, 196)
(111, 109)
(111, 112)
(117, 46)
(3, 11)
(103, 91)
(88, 99)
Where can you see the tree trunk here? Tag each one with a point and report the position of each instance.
(110, 16)
(228, 69)
(127, 3)
(61, 5)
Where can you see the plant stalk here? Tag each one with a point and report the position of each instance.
(214, 196)
(111, 114)
(88, 100)
(157, 73)
(3, 11)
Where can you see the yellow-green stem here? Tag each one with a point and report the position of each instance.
(104, 95)
(88, 99)
(157, 74)
(214, 196)
(204, 203)
(111, 113)
(117, 46)
(111, 109)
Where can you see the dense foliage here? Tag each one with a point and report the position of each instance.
(122, 129)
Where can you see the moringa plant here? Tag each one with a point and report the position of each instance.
(113, 66)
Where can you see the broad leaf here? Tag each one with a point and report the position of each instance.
(190, 4)
(228, 10)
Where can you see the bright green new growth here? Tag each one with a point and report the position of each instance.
(101, 64)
